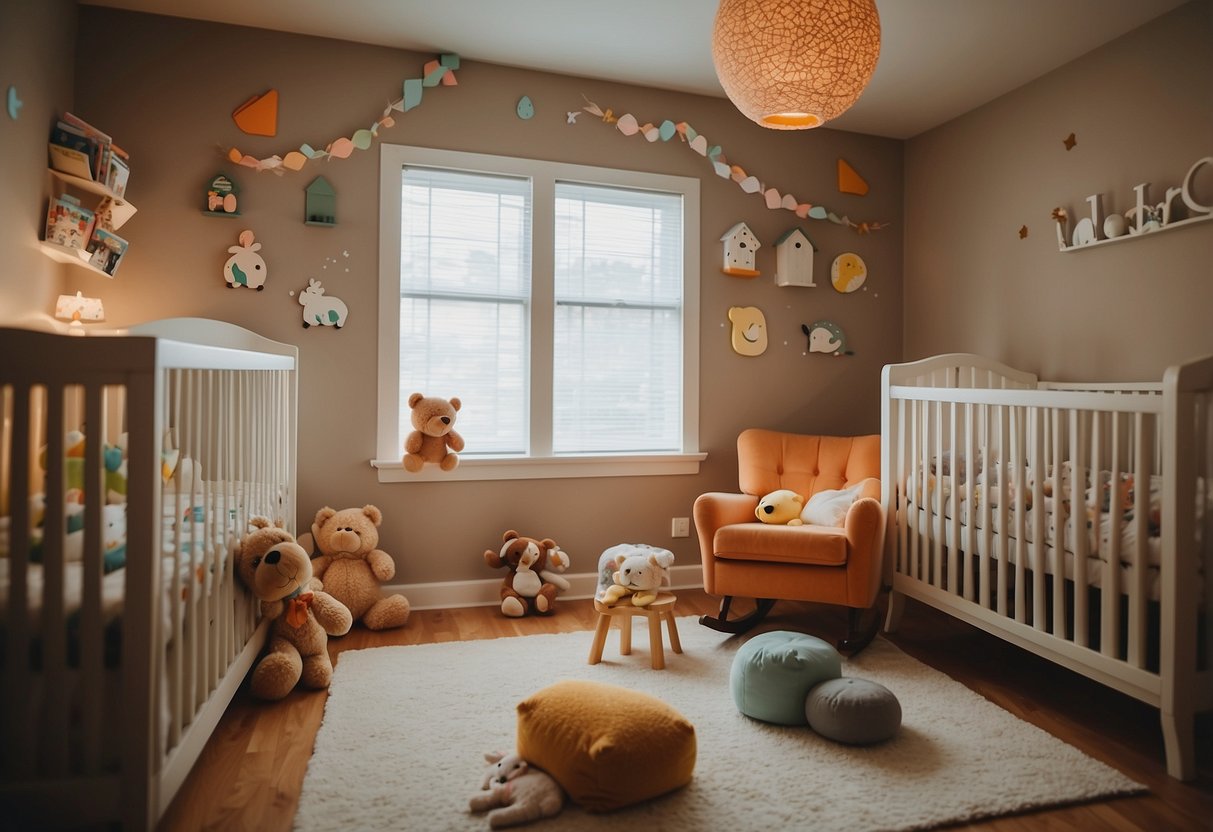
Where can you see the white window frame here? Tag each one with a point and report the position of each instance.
(540, 464)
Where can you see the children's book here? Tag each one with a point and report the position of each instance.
(70, 161)
(68, 223)
(107, 250)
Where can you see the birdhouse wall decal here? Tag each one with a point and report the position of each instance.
(221, 197)
(320, 203)
(794, 259)
(740, 247)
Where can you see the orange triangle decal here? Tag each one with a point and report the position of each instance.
(849, 181)
(259, 115)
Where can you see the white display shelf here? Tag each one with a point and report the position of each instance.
(1126, 236)
(71, 256)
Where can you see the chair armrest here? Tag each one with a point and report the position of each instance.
(864, 527)
(713, 510)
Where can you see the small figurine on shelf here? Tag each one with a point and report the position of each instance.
(221, 196)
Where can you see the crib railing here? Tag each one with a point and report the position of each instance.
(113, 681)
(1072, 519)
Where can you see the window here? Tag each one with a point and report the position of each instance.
(558, 302)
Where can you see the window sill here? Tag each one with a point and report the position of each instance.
(571, 467)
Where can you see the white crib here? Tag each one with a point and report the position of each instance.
(115, 674)
(1073, 520)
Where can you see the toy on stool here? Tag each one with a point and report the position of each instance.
(279, 573)
(434, 431)
(347, 560)
(524, 589)
(640, 575)
(516, 791)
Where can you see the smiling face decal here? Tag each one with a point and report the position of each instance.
(749, 330)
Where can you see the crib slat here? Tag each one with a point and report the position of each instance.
(1110, 595)
(1001, 486)
(937, 526)
(1040, 549)
(1078, 476)
(1057, 523)
(53, 642)
(971, 520)
(1014, 495)
(1138, 586)
(987, 527)
(954, 491)
(19, 718)
(91, 631)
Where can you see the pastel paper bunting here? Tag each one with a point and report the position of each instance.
(748, 183)
(412, 93)
(435, 72)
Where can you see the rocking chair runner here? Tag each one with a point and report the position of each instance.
(745, 558)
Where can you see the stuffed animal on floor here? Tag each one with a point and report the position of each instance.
(640, 576)
(277, 570)
(433, 433)
(780, 508)
(524, 589)
(346, 559)
(558, 562)
(516, 792)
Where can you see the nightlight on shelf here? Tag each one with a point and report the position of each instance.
(795, 64)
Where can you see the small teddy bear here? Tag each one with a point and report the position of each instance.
(277, 570)
(524, 589)
(641, 576)
(516, 792)
(434, 431)
(346, 559)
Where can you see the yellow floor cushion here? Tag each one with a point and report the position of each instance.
(607, 746)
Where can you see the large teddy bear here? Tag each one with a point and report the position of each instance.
(525, 589)
(433, 432)
(279, 573)
(352, 568)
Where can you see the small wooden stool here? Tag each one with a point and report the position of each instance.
(662, 608)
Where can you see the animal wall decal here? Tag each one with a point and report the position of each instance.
(320, 309)
(826, 337)
(246, 267)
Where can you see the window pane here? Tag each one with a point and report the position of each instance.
(464, 233)
(617, 384)
(618, 245)
(477, 352)
(465, 275)
(617, 380)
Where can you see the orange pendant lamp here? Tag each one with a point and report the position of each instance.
(795, 64)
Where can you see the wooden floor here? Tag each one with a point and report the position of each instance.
(250, 775)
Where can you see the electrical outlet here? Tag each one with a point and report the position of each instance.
(680, 527)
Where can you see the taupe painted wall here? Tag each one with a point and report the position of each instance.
(1141, 109)
(37, 55)
(167, 92)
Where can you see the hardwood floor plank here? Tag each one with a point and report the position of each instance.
(251, 772)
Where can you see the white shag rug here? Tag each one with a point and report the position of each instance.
(405, 728)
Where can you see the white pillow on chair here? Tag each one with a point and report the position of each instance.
(829, 507)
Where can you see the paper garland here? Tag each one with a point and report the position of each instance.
(441, 70)
(629, 125)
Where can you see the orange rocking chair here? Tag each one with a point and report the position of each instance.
(743, 557)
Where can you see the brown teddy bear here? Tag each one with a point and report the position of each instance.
(279, 572)
(524, 589)
(434, 422)
(352, 568)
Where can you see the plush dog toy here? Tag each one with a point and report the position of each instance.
(524, 589)
(278, 571)
(352, 568)
(516, 792)
(640, 576)
(433, 432)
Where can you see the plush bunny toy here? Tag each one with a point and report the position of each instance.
(516, 792)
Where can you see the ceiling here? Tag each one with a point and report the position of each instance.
(939, 58)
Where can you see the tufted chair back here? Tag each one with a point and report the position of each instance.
(769, 460)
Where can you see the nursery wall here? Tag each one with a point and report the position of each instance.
(168, 90)
(37, 41)
(1141, 110)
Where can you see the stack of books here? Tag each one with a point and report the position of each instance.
(79, 149)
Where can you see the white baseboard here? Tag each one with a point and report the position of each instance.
(445, 595)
